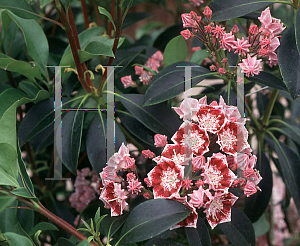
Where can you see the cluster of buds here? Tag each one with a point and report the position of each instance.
(262, 41)
(210, 142)
(145, 76)
(86, 186)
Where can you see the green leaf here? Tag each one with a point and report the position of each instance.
(22, 192)
(99, 48)
(18, 229)
(230, 9)
(198, 236)
(26, 218)
(297, 29)
(175, 51)
(6, 179)
(9, 218)
(84, 243)
(268, 79)
(29, 88)
(289, 62)
(112, 224)
(65, 242)
(133, 18)
(151, 218)
(158, 118)
(8, 160)
(239, 230)
(96, 143)
(289, 165)
(85, 36)
(256, 204)
(43, 226)
(72, 125)
(6, 201)
(35, 38)
(45, 2)
(19, 7)
(103, 11)
(262, 226)
(21, 67)
(198, 56)
(14, 239)
(163, 242)
(170, 82)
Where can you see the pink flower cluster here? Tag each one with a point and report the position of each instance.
(213, 138)
(261, 42)
(86, 186)
(154, 62)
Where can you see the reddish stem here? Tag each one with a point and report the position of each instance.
(97, 13)
(112, 13)
(85, 15)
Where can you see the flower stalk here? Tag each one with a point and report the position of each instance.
(266, 117)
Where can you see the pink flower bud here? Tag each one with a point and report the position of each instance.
(127, 81)
(186, 34)
(212, 68)
(207, 13)
(160, 140)
(138, 70)
(235, 29)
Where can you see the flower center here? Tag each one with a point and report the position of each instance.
(169, 179)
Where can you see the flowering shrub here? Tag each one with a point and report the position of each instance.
(152, 134)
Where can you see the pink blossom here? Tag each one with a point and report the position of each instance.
(228, 110)
(198, 162)
(196, 3)
(253, 30)
(119, 161)
(147, 195)
(148, 154)
(269, 25)
(219, 209)
(166, 178)
(199, 183)
(138, 70)
(189, 20)
(130, 176)
(153, 64)
(129, 163)
(249, 189)
(188, 109)
(212, 68)
(160, 140)
(208, 29)
(191, 135)
(218, 31)
(227, 42)
(235, 29)
(186, 34)
(227, 138)
(217, 174)
(114, 197)
(250, 65)
(197, 197)
(127, 81)
(145, 77)
(194, 49)
(158, 56)
(178, 153)
(221, 71)
(207, 13)
(186, 184)
(241, 46)
(134, 186)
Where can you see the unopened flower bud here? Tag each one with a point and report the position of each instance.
(207, 13)
(235, 29)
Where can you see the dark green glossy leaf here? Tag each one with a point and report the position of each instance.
(112, 223)
(15, 239)
(43, 226)
(22, 192)
(163, 242)
(24, 175)
(158, 118)
(36, 41)
(151, 218)
(297, 29)
(9, 218)
(256, 204)
(96, 143)
(289, 62)
(198, 56)
(289, 163)
(72, 125)
(229, 9)
(132, 18)
(21, 67)
(65, 242)
(198, 236)
(6, 201)
(29, 88)
(268, 79)
(8, 164)
(136, 128)
(85, 36)
(169, 82)
(18, 229)
(239, 230)
(19, 7)
(175, 51)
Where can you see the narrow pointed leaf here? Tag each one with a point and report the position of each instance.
(158, 118)
(22, 192)
(170, 82)
(230, 9)
(103, 11)
(198, 236)
(256, 204)
(289, 163)
(43, 226)
(239, 230)
(268, 79)
(35, 38)
(151, 218)
(175, 51)
(72, 125)
(289, 62)
(6, 201)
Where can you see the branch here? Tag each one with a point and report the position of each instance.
(85, 15)
(97, 13)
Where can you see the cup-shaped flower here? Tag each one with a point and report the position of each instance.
(250, 65)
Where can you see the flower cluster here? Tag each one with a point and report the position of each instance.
(86, 186)
(211, 144)
(145, 76)
(262, 41)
